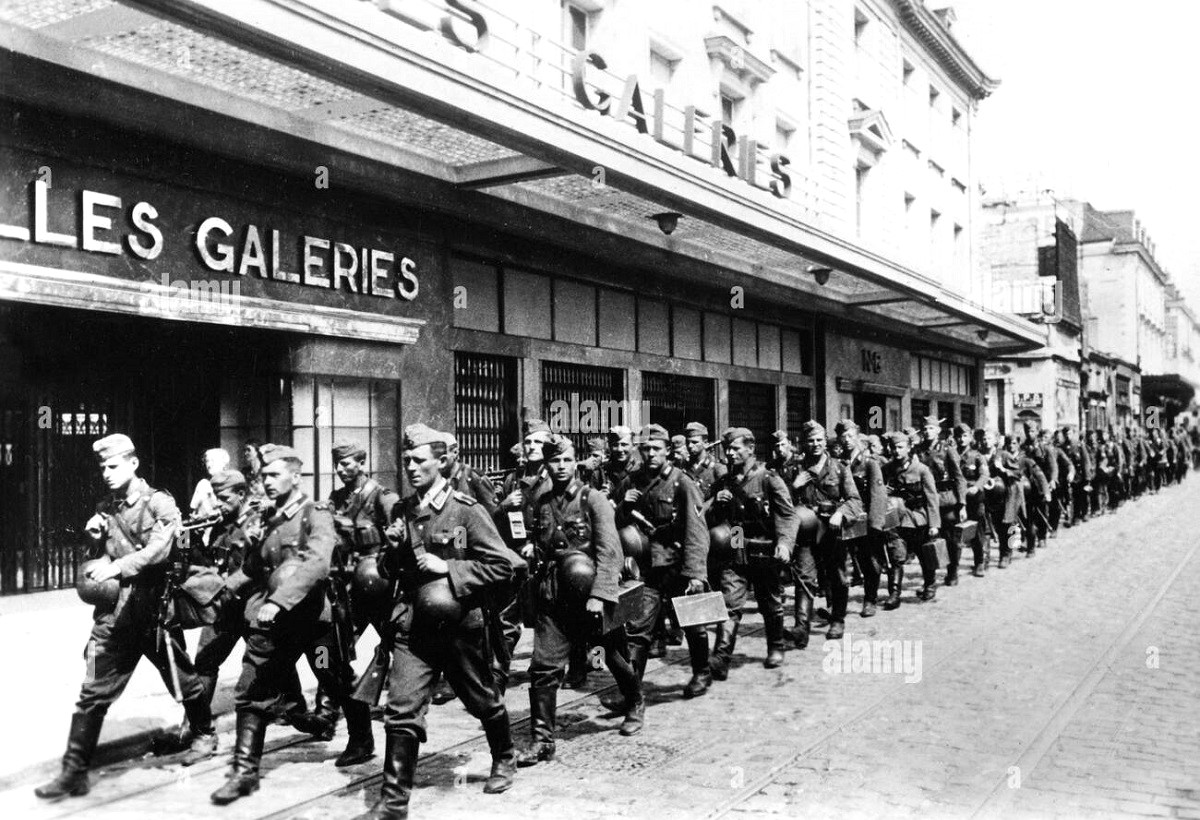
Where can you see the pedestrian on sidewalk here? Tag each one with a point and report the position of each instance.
(133, 531)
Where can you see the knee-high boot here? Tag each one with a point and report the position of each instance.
(361, 744)
(803, 613)
(81, 745)
(247, 752)
(895, 584)
(543, 704)
(723, 644)
(504, 755)
(697, 641)
(399, 768)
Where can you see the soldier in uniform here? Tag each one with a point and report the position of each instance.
(679, 453)
(942, 459)
(785, 461)
(467, 480)
(974, 467)
(1037, 498)
(1083, 471)
(908, 479)
(666, 503)
(578, 561)
(288, 614)
(864, 536)
(589, 466)
(755, 499)
(826, 486)
(622, 462)
(701, 467)
(519, 493)
(448, 560)
(134, 528)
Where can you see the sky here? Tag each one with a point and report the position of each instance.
(1096, 103)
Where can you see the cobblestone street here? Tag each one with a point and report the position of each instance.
(1065, 685)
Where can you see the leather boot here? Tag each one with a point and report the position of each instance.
(977, 555)
(326, 710)
(626, 676)
(543, 703)
(635, 718)
(697, 641)
(1005, 558)
(504, 754)
(81, 745)
(803, 612)
(837, 622)
(399, 768)
(361, 744)
(442, 692)
(954, 556)
(204, 737)
(577, 668)
(723, 644)
(895, 585)
(247, 752)
(773, 624)
(658, 646)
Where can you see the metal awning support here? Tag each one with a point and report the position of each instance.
(505, 171)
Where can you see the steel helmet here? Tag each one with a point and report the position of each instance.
(576, 574)
(96, 593)
(634, 542)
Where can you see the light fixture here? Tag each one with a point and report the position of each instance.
(667, 221)
(983, 334)
(820, 274)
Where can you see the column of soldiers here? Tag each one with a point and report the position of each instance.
(446, 575)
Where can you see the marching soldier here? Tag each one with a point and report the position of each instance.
(467, 480)
(1012, 468)
(448, 560)
(864, 536)
(785, 461)
(1083, 471)
(622, 462)
(973, 465)
(1037, 497)
(909, 480)
(701, 467)
(518, 496)
(942, 459)
(666, 504)
(134, 529)
(825, 486)
(288, 614)
(579, 561)
(754, 499)
(589, 466)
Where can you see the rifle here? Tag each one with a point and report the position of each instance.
(181, 559)
(369, 687)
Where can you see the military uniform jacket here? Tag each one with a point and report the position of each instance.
(867, 472)
(1081, 458)
(579, 518)
(761, 506)
(672, 504)
(301, 533)
(151, 518)
(944, 464)
(913, 484)
(705, 474)
(612, 477)
(787, 470)
(362, 513)
(467, 480)
(974, 466)
(531, 486)
(1046, 456)
(456, 528)
(226, 548)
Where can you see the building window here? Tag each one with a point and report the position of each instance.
(731, 107)
(860, 191)
(485, 409)
(662, 69)
(799, 410)
(783, 137)
(675, 400)
(906, 71)
(577, 25)
(934, 94)
(955, 117)
(860, 27)
(752, 405)
(565, 389)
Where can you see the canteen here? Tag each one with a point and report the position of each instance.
(576, 574)
(103, 593)
(634, 542)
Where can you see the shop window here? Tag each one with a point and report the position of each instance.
(675, 400)
(618, 323)
(476, 295)
(745, 343)
(257, 408)
(486, 420)
(526, 304)
(685, 333)
(920, 409)
(574, 312)
(653, 327)
(580, 401)
(799, 410)
(716, 338)
(752, 405)
(327, 409)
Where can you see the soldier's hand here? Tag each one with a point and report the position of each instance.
(632, 496)
(96, 525)
(783, 554)
(513, 499)
(267, 613)
(102, 572)
(724, 496)
(527, 551)
(933, 531)
(694, 587)
(962, 513)
(595, 606)
(835, 520)
(427, 562)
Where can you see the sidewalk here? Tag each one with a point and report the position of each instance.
(43, 637)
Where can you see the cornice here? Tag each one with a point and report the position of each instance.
(926, 27)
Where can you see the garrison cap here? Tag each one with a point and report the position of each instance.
(845, 426)
(655, 432)
(118, 444)
(895, 437)
(517, 450)
(536, 426)
(451, 440)
(227, 479)
(732, 434)
(345, 449)
(619, 432)
(812, 427)
(678, 439)
(274, 452)
(557, 445)
(781, 436)
(695, 428)
(418, 435)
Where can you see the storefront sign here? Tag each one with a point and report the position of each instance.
(1027, 401)
(857, 360)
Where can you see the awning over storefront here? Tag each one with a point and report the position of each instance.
(1167, 390)
(500, 122)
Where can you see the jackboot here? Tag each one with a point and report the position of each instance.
(723, 644)
(442, 692)
(204, 737)
(637, 663)
(954, 555)
(399, 768)
(361, 744)
(1005, 558)
(803, 613)
(327, 710)
(773, 626)
(630, 685)
(977, 555)
(577, 668)
(81, 745)
(247, 752)
(658, 646)
(504, 754)
(543, 704)
(697, 641)
(837, 617)
(895, 585)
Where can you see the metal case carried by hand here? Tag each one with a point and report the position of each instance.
(701, 609)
